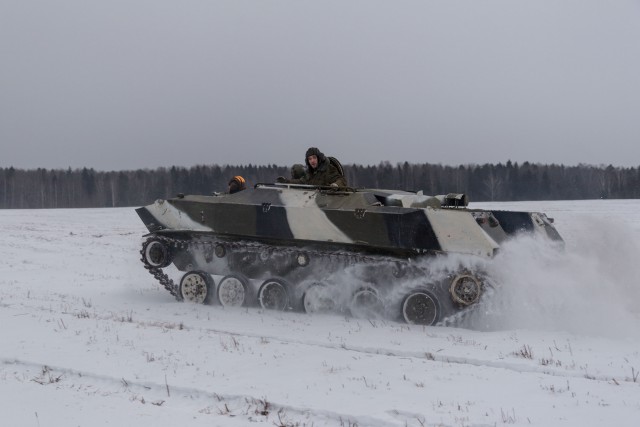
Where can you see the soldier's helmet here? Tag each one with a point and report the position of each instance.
(297, 171)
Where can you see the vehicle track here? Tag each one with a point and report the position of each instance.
(438, 353)
(255, 409)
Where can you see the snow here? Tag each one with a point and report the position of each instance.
(89, 338)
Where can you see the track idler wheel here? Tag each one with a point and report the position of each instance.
(465, 289)
(366, 303)
(195, 286)
(421, 307)
(232, 291)
(318, 299)
(273, 295)
(156, 253)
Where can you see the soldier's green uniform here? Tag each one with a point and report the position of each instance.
(324, 174)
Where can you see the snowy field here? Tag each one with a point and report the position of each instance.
(88, 338)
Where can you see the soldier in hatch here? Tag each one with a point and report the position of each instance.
(319, 171)
(236, 184)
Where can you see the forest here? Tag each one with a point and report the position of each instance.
(84, 188)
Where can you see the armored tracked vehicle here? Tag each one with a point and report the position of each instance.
(371, 252)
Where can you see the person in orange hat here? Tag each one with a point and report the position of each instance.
(237, 183)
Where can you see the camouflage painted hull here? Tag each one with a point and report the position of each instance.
(295, 247)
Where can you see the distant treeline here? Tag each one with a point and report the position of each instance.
(81, 188)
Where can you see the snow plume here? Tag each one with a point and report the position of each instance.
(589, 287)
(395, 280)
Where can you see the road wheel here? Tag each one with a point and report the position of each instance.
(195, 286)
(366, 303)
(273, 295)
(232, 291)
(420, 307)
(318, 298)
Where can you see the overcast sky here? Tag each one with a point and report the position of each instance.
(127, 84)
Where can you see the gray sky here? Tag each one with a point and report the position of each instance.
(126, 84)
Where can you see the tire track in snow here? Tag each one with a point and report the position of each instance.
(255, 409)
(563, 372)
